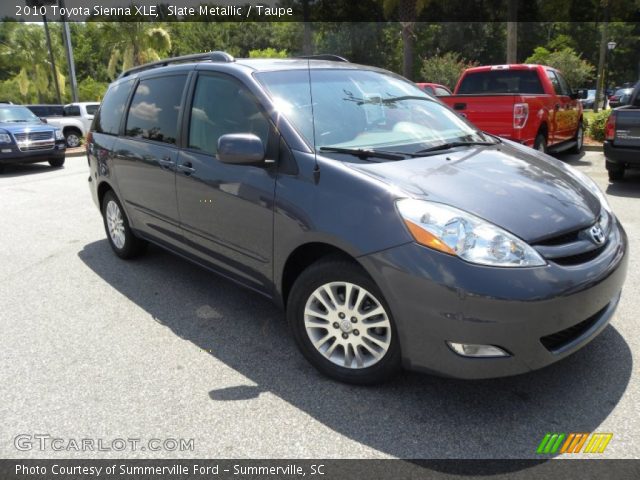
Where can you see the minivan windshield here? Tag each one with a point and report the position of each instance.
(364, 109)
(17, 114)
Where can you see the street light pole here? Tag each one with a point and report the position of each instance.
(610, 46)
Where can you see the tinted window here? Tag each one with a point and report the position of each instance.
(441, 92)
(91, 109)
(72, 111)
(108, 118)
(222, 105)
(427, 89)
(564, 86)
(501, 81)
(153, 114)
(37, 110)
(555, 82)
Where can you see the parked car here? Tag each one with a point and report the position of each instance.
(622, 137)
(392, 231)
(73, 127)
(529, 104)
(589, 99)
(24, 138)
(434, 89)
(621, 96)
(84, 111)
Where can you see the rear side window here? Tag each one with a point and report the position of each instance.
(37, 110)
(501, 81)
(555, 82)
(72, 111)
(153, 114)
(222, 105)
(91, 109)
(108, 118)
(441, 92)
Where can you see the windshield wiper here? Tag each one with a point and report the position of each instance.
(448, 145)
(365, 153)
(405, 97)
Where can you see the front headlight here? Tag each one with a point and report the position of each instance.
(59, 135)
(5, 138)
(464, 235)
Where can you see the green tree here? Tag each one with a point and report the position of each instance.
(575, 70)
(445, 69)
(408, 12)
(268, 53)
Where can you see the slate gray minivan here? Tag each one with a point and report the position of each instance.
(392, 230)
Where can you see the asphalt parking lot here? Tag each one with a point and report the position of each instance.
(95, 347)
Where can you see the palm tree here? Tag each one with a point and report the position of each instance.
(408, 11)
(134, 43)
(26, 46)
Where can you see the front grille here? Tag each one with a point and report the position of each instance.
(579, 258)
(561, 239)
(28, 141)
(557, 340)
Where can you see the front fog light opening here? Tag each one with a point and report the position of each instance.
(476, 351)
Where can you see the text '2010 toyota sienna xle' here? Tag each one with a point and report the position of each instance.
(392, 230)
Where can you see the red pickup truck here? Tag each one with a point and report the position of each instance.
(530, 104)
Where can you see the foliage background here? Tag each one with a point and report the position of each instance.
(440, 50)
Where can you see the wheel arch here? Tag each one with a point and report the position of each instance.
(302, 257)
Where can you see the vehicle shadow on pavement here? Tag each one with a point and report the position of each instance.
(20, 169)
(414, 416)
(628, 187)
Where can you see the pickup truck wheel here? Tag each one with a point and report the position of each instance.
(615, 174)
(122, 240)
(342, 323)
(57, 163)
(72, 138)
(579, 139)
(540, 143)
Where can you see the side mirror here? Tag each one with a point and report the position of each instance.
(43, 120)
(241, 149)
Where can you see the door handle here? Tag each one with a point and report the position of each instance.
(166, 162)
(186, 168)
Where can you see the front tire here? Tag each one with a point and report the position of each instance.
(342, 324)
(56, 162)
(72, 138)
(122, 240)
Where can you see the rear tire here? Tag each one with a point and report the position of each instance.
(579, 139)
(57, 163)
(329, 311)
(116, 224)
(540, 143)
(615, 173)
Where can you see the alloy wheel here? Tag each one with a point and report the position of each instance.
(347, 324)
(115, 224)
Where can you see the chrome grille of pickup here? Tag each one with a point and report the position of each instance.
(28, 141)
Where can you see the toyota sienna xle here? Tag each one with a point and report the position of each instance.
(392, 231)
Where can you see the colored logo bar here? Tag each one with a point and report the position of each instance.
(553, 443)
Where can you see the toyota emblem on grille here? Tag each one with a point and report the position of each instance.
(597, 234)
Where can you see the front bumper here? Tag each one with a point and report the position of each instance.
(437, 298)
(628, 157)
(11, 154)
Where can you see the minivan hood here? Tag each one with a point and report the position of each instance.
(527, 193)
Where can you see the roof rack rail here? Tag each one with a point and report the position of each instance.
(194, 57)
(325, 56)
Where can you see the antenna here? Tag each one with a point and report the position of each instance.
(316, 168)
